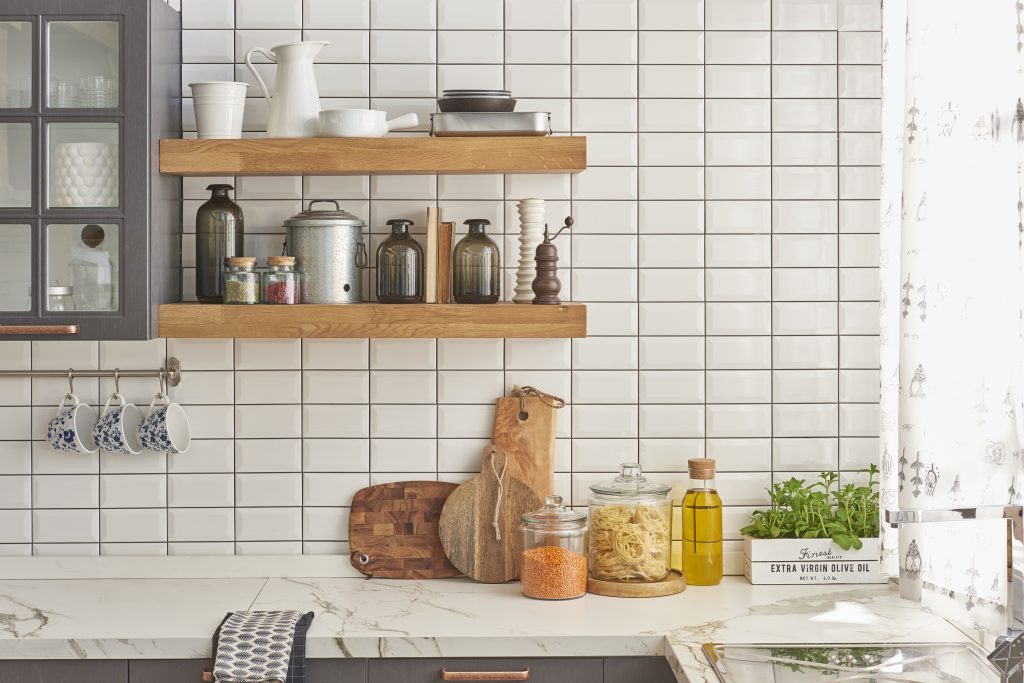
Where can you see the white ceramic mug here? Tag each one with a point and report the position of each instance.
(219, 107)
(71, 430)
(117, 430)
(362, 123)
(165, 428)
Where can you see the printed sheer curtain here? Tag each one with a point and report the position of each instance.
(951, 298)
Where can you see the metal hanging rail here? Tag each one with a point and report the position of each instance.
(170, 373)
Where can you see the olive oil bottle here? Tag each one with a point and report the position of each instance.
(702, 526)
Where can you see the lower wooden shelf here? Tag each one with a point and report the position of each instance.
(190, 320)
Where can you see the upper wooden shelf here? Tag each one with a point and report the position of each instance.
(492, 321)
(373, 156)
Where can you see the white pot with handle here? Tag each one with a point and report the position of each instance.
(295, 102)
(362, 123)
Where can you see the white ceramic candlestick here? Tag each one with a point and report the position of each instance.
(531, 233)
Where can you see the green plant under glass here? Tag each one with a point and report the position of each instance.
(822, 509)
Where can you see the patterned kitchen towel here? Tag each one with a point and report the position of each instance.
(261, 647)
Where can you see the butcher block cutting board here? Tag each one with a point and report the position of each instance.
(525, 429)
(480, 529)
(393, 530)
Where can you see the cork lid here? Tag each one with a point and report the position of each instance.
(281, 260)
(241, 261)
(701, 468)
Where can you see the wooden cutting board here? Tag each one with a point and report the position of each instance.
(467, 532)
(528, 441)
(393, 530)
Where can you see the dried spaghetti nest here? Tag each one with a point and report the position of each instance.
(629, 543)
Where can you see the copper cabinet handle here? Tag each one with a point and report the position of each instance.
(39, 329)
(447, 675)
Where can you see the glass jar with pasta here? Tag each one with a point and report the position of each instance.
(630, 535)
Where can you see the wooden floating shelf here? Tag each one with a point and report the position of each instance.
(420, 155)
(492, 321)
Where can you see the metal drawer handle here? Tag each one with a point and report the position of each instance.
(447, 675)
(38, 329)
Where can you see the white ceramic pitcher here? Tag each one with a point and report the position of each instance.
(295, 103)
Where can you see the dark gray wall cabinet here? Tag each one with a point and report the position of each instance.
(89, 229)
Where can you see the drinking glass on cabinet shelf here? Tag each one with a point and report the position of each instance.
(84, 64)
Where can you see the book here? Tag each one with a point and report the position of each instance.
(430, 276)
(445, 232)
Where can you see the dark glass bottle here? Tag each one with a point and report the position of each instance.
(400, 266)
(476, 266)
(220, 227)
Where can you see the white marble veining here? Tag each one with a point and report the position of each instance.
(175, 618)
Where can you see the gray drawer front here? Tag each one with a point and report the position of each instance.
(547, 670)
(191, 670)
(637, 670)
(64, 671)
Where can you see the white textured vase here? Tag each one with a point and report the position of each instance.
(85, 174)
(531, 233)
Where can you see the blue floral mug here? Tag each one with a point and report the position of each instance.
(71, 430)
(118, 430)
(165, 428)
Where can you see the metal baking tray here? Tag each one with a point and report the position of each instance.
(478, 124)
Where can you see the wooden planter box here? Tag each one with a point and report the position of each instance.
(810, 561)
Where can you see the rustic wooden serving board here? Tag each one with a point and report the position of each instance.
(393, 530)
(467, 532)
(529, 442)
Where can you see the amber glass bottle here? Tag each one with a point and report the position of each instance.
(702, 526)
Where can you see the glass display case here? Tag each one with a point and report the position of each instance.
(90, 231)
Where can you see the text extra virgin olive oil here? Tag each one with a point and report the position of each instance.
(702, 526)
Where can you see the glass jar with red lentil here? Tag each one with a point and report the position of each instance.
(554, 561)
(281, 281)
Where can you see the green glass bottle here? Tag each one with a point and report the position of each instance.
(220, 231)
(476, 266)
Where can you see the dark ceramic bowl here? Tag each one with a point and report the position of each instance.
(478, 104)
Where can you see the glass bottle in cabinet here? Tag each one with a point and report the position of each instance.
(220, 231)
(400, 266)
(89, 258)
(476, 266)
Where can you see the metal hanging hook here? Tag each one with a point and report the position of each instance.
(117, 381)
(71, 382)
(163, 382)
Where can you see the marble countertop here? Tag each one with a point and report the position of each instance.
(175, 618)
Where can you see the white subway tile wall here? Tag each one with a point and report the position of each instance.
(725, 242)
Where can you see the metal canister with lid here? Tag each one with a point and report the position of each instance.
(330, 252)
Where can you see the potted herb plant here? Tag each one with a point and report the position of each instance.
(815, 533)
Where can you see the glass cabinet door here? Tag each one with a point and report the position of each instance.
(84, 64)
(15, 65)
(16, 274)
(16, 173)
(83, 164)
(82, 267)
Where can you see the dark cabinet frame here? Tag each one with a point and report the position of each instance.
(149, 212)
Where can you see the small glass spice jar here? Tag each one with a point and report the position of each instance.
(60, 298)
(554, 561)
(281, 281)
(241, 281)
(630, 528)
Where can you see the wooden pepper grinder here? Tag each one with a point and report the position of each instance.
(546, 285)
